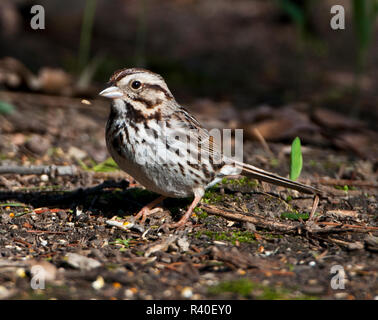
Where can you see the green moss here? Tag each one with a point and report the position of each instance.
(248, 289)
(241, 286)
(244, 181)
(294, 215)
(274, 162)
(290, 266)
(108, 165)
(200, 213)
(111, 266)
(122, 243)
(212, 196)
(346, 188)
(240, 236)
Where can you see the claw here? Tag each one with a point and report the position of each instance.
(187, 214)
(149, 209)
(145, 212)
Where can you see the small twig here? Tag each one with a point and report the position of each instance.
(23, 242)
(49, 170)
(263, 142)
(45, 231)
(5, 182)
(263, 223)
(314, 207)
(311, 227)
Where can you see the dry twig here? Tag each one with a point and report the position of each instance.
(263, 223)
(314, 207)
(49, 170)
(311, 226)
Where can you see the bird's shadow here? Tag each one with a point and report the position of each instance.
(108, 198)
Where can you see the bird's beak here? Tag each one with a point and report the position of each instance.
(111, 92)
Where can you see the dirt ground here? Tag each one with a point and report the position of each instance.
(64, 222)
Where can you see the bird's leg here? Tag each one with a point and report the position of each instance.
(187, 214)
(148, 209)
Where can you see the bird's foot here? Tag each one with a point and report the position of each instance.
(149, 209)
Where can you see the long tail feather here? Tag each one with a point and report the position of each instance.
(259, 174)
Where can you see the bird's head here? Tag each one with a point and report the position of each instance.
(141, 88)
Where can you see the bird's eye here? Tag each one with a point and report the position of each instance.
(135, 84)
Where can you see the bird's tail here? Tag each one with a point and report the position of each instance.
(259, 174)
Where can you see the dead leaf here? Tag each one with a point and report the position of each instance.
(343, 213)
(335, 120)
(162, 246)
(54, 81)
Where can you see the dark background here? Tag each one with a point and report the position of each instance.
(245, 52)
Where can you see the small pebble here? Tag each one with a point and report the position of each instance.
(312, 263)
(20, 272)
(129, 293)
(44, 178)
(341, 295)
(85, 101)
(4, 292)
(241, 272)
(167, 293)
(99, 283)
(187, 292)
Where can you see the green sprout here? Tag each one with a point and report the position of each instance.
(122, 243)
(296, 160)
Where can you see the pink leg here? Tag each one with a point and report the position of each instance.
(148, 209)
(187, 214)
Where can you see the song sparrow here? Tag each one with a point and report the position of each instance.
(141, 135)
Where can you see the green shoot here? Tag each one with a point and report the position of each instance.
(296, 160)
